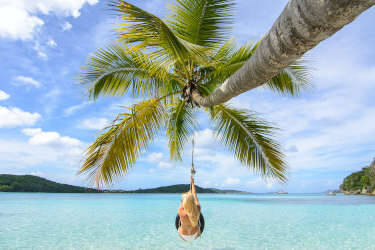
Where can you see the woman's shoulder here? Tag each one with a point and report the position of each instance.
(181, 212)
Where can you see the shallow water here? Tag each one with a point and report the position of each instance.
(146, 221)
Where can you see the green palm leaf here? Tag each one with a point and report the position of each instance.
(148, 30)
(231, 58)
(118, 69)
(202, 22)
(116, 150)
(226, 61)
(292, 80)
(250, 139)
(230, 53)
(179, 128)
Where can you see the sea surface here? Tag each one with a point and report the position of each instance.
(146, 221)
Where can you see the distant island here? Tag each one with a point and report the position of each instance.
(361, 182)
(181, 188)
(30, 183)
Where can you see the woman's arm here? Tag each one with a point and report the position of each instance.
(193, 190)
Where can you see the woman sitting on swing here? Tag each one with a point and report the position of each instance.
(189, 213)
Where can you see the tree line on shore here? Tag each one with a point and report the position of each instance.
(361, 182)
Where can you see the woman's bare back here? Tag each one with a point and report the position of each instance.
(186, 227)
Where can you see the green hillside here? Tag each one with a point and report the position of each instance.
(30, 183)
(362, 181)
(181, 188)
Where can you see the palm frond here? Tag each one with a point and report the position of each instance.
(292, 80)
(227, 60)
(180, 126)
(149, 31)
(232, 59)
(115, 151)
(202, 22)
(224, 52)
(118, 69)
(250, 139)
(231, 53)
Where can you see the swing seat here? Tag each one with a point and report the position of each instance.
(200, 222)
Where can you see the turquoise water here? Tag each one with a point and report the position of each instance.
(143, 221)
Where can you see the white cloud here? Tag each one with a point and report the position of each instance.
(38, 137)
(158, 159)
(51, 100)
(66, 7)
(40, 51)
(254, 182)
(154, 157)
(67, 26)
(52, 94)
(103, 33)
(17, 23)
(232, 181)
(262, 182)
(332, 144)
(205, 138)
(327, 130)
(24, 80)
(14, 117)
(19, 18)
(72, 109)
(51, 43)
(94, 123)
(165, 164)
(43, 149)
(3, 96)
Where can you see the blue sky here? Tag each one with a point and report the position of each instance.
(47, 121)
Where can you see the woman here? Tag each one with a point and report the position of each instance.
(189, 213)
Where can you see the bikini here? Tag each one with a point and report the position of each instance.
(192, 236)
(189, 237)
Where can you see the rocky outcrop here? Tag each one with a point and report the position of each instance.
(360, 182)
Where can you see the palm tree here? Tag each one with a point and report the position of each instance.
(165, 61)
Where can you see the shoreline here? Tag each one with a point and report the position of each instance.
(357, 193)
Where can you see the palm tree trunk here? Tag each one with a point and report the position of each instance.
(302, 25)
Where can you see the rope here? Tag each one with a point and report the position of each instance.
(192, 170)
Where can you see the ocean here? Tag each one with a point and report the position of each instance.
(146, 221)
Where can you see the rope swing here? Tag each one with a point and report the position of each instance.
(201, 221)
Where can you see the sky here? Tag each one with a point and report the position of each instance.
(47, 120)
